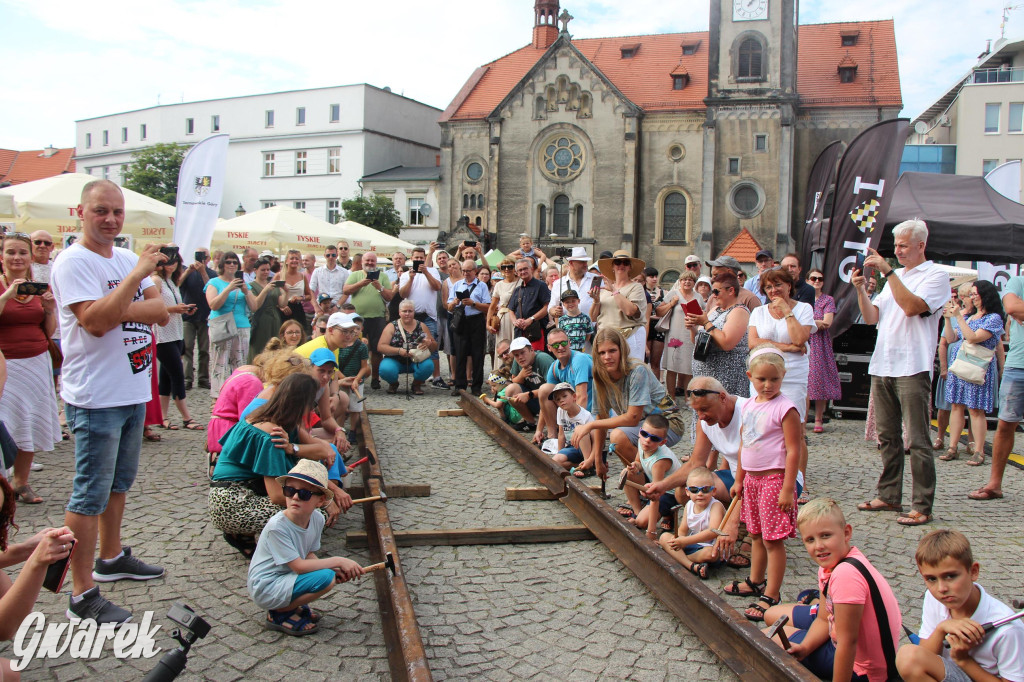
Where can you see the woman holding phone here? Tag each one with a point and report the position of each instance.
(678, 358)
(171, 344)
(270, 306)
(227, 295)
(296, 288)
(28, 405)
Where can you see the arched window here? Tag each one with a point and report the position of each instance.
(542, 220)
(479, 221)
(675, 218)
(579, 221)
(472, 201)
(561, 217)
(750, 59)
(465, 201)
(479, 200)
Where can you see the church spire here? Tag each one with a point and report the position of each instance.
(545, 29)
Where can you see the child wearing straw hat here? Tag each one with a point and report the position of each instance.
(285, 575)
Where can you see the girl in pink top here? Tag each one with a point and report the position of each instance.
(766, 478)
(242, 386)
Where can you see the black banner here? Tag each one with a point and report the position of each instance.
(815, 237)
(865, 185)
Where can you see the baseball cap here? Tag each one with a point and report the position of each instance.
(691, 259)
(321, 356)
(520, 343)
(266, 253)
(705, 279)
(724, 262)
(764, 253)
(343, 320)
(323, 297)
(564, 386)
(568, 293)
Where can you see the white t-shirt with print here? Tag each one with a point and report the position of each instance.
(568, 424)
(100, 371)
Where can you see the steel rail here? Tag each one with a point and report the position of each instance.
(737, 642)
(407, 658)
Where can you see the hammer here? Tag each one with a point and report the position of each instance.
(382, 497)
(725, 519)
(388, 563)
(778, 629)
(369, 456)
(623, 481)
(355, 390)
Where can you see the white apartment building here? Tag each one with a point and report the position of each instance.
(303, 148)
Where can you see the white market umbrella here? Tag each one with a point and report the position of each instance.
(363, 238)
(276, 228)
(49, 204)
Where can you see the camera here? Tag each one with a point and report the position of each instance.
(193, 627)
(417, 264)
(171, 252)
(373, 274)
(32, 288)
(189, 619)
(563, 251)
(470, 243)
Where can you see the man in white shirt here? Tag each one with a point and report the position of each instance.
(420, 285)
(328, 279)
(107, 305)
(579, 280)
(901, 366)
(249, 258)
(764, 261)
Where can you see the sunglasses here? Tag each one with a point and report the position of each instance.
(41, 242)
(230, 262)
(322, 330)
(693, 265)
(342, 248)
(699, 392)
(508, 267)
(624, 263)
(651, 437)
(700, 488)
(816, 279)
(304, 495)
(332, 255)
(715, 291)
(558, 344)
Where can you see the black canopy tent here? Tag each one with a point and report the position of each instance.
(967, 219)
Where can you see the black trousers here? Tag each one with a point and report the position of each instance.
(471, 342)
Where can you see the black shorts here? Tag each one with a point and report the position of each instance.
(372, 328)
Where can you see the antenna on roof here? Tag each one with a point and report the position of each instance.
(1006, 17)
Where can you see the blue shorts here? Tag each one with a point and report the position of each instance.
(108, 442)
(804, 615)
(572, 454)
(821, 660)
(312, 582)
(432, 326)
(1011, 395)
(725, 475)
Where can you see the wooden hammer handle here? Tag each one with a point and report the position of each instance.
(728, 512)
(367, 499)
(375, 567)
(634, 484)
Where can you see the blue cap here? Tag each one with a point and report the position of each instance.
(321, 356)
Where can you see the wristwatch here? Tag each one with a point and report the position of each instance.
(892, 271)
(295, 449)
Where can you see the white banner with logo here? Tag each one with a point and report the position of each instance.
(200, 192)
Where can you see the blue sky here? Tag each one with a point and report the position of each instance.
(68, 60)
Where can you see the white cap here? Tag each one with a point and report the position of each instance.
(343, 320)
(520, 343)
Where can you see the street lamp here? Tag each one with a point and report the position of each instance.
(240, 211)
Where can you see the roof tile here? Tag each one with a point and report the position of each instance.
(743, 247)
(18, 167)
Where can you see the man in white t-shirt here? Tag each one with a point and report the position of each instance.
(578, 279)
(420, 285)
(328, 279)
(901, 366)
(107, 305)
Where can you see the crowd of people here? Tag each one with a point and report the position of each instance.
(587, 358)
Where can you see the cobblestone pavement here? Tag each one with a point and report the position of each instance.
(543, 611)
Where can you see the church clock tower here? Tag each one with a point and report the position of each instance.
(751, 110)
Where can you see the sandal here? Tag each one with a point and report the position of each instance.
(150, 436)
(983, 494)
(294, 623)
(952, 453)
(417, 391)
(756, 589)
(625, 511)
(759, 610)
(914, 518)
(166, 424)
(392, 389)
(699, 570)
(976, 460)
(314, 616)
(738, 561)
(804, 497)
(192, 425)
(246, 544)
(939, 444)
(818, 428)
(807, 596)
(25, 494)
(885, 506)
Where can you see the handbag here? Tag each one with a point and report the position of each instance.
(703, 345)
(222, 328)
(971, 363)
(665, 322)
(417, 355)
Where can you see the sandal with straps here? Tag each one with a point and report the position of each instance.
(294, 622)
(759, 610)
(700, 570)
(756, 589)
(25, 494)
(192, 425)
(952, 453)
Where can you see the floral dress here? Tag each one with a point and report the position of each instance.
(823, 379)
(960, 392)
(729, 367)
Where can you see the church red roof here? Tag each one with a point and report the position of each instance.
(18, 167)
(646, 77)
(743, 247)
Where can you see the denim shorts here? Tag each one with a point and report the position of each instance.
(107, 445)
(574, 455)
(432, 326)
(1011, 395)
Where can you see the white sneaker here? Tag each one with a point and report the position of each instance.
(36, 466)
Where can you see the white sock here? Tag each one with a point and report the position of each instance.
(113, 558)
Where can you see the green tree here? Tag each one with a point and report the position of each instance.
(377, 212)
(153, 171)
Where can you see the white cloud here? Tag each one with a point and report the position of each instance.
(76, 61)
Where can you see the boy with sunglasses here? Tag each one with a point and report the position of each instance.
(694, 544)
(285, 574)
(655, 461)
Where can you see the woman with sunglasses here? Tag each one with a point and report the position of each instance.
(296, 288)
(271, 305)
(28, 405)
(227, 294)
(823, 379)
(500, 319)
(727, 322)
(623, 304)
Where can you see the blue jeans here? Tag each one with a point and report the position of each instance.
(107, 446)
(391, 367)
(432, 326)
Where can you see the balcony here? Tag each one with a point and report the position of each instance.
(985, 76)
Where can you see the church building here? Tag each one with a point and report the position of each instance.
(663, 145)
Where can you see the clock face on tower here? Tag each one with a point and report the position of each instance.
(749, 10)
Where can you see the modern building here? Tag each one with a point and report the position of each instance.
(303, 148)
(664, 144)
(18, 167)
(978, 123)
(414, 192)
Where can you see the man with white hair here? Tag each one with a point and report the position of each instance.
(578, 279)
(901, 366)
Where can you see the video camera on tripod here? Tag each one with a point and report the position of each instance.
(193, 628)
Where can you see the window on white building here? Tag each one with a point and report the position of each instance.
(335, 113)
(268, 204)
(334, 160)
(142, 131)
(1016, 123)
(415, 216)
(992, 118)
(561, 216)
(215, 123)
(300, 116)
(124, 134)
(88, 140)
(106, 138)
(300, 163)
(268, 164)
(988, 165)
(106, 173)
(333, 210)
(299, 206)
(190, 126)
(268, 118)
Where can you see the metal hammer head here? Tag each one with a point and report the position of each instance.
(371, 456)
(622, 478)
(777, 629)
(389, 562)
(383, 497)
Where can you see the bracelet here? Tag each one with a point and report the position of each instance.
(890, 273)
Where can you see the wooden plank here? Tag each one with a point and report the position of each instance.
(479, 536)
(381, 410)
(393, 490)
(536, 493)
(451, 413)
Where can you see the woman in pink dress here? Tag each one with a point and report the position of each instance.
(823, 380)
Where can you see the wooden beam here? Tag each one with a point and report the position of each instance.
(536, 493)
(451, 413)
(393, 490)
(380, 410)
(479, 536)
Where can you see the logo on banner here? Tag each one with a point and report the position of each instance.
(866, 215)
(203, 184)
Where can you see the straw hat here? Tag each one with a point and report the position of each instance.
(636, 266)
(311, 472)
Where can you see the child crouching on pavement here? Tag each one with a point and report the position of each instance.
(694, 544)
(848, 639)
(569, 416)
(285, 574)
(498, 381)
(955, 609)
(654, 460)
